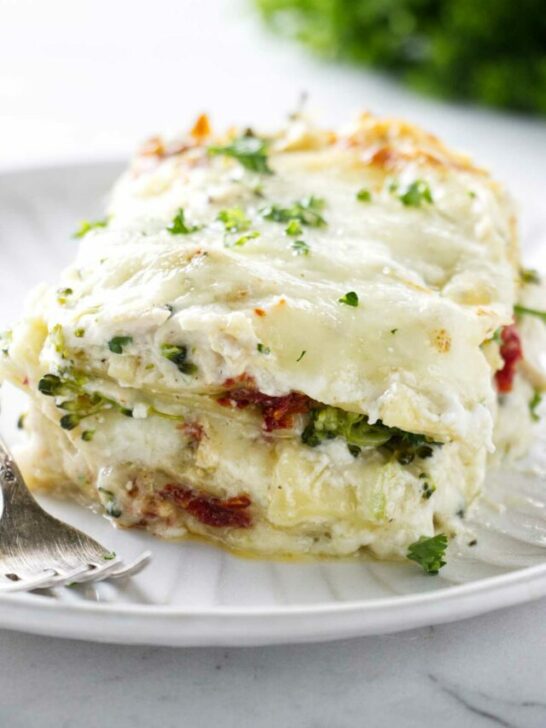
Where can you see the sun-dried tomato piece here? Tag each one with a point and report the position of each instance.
(511, 353)
(193, 431)
(277, 412)
(210, 510)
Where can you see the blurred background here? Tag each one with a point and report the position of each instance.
(90, 79)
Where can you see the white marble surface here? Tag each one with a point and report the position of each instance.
(485, 672)
(89, 79)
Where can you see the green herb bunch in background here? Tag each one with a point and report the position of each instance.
(491, 51)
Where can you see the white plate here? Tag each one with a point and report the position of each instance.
(194, 594)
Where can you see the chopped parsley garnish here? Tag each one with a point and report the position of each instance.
(306, 211)
(497, 336)
(429, 553)
(417, 193)
(349, 299)
(249, 150)
(179, 226)
(58, 340)
(88, 225)
(428, 489)
(529, 275)
(118, 342)
(534, 402)
(327, 423)
(234, 219)
(300, 247)
(263, 349)
(293, 229)
(62, 295)
(111, 507)
(522, 310)
(252, 235)
(21, 422)
(87, 435)
(178, 355)
(364, 195)
(393, 331)
(79, 333)
(300, 357)
(5, 340)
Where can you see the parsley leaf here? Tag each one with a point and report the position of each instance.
(529, 275)
(300, 357)
(307, 211)
(364, 195)
(244, 239)
(234, 219)
(417, 193)
(534, 402)
(118, 342)
(179, 226)
(300, 247)
(349, 299)
(62, 295)
(293, 228)
(429, 552)
(521, 310)
(250, 151)
(263, 349)
(88, 225)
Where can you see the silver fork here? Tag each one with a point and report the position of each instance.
(38, 551)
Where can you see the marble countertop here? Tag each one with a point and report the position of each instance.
(483, 672)
(74, 85)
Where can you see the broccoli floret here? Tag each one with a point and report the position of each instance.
(327, 423)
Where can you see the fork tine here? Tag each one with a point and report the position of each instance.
(28, 584)
(68, 577)
(132, 568)
(98, 571)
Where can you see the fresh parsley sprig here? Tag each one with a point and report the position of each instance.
(307, 211)
(234, 219)
(429, 553)
(179, 226)
(249, 150)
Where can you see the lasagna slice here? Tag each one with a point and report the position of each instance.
(288, 344)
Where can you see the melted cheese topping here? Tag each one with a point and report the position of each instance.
(433, 283)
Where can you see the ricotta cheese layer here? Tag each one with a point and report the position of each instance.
(291, 343)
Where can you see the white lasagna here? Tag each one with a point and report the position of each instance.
(308, 342)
